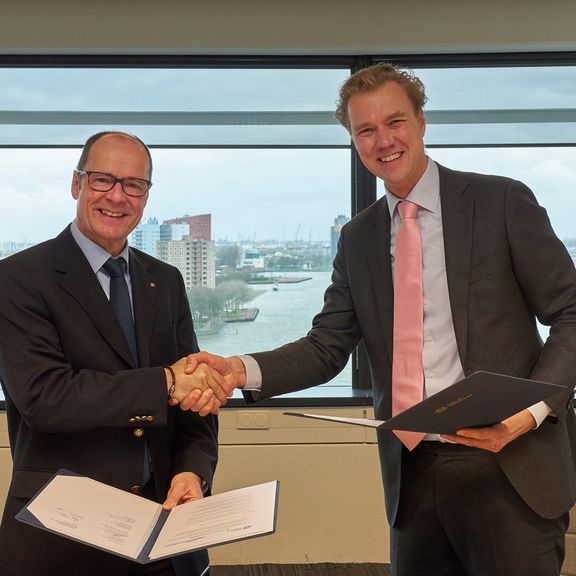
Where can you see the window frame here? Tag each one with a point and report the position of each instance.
(363, 185)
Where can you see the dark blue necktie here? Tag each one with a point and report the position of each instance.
(122, 306)
(120, 300)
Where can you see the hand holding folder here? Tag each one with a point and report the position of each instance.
(481, 399)
(121, 523)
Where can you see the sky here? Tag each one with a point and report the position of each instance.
(285, 194)
(251, 194)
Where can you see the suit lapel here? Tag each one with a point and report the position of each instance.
(78, 279)
(144, 295)
(377, 245)
(457, 223)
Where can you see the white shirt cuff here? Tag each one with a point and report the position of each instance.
(540, 411)
(253, 373)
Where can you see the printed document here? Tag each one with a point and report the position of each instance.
(119, 522)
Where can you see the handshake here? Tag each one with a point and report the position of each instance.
(203, 382)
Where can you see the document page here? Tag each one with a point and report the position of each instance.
(226, 517)
(95, 513)
(367, 422)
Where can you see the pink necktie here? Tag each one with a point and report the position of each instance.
(407, 372)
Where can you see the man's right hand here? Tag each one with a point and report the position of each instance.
(204, 381)
(232, 371)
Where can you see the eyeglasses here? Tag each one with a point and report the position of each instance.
(102, 182)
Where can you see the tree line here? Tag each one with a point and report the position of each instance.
(212, 305)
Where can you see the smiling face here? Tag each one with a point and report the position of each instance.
(389, 136)
(107, 218)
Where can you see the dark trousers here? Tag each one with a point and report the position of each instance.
(460, 516)
(160, 568)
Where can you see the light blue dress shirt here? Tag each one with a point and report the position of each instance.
(97, 257)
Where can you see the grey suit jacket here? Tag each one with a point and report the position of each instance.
(72, 393)
(505, 268)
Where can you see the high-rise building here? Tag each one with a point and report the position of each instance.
(200, 225)
(339, 221)
(146, 235)
(182, 242)
(196, 260)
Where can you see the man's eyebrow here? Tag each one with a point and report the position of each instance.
(393, 116)
(362, 125)
(398, 114)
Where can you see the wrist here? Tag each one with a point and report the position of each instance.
(239, 369)
(170, 381)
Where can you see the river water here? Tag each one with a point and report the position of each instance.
(285, 315)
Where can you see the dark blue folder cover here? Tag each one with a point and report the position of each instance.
(481, 399)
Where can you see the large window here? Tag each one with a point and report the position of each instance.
(518, 122)
(255, 152)
(513, 121)
(254, 145)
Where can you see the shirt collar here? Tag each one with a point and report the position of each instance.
(426, 193)
(95, 254)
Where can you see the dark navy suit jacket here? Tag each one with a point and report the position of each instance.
(505, 267)
(73, 394)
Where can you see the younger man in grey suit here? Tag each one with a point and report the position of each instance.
(77, 396)
(495, 500)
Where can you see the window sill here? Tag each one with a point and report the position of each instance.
(316, 396)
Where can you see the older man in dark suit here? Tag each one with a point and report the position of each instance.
(487, 501)
(83, 391)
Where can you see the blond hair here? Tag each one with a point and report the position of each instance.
(372, 78)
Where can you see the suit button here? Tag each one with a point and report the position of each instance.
(136, 490)
(138, 432)
(150, 418)
(132, 420)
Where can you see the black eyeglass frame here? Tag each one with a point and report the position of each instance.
(115, 181)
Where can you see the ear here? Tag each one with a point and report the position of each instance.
(75, 186)
(422, 122)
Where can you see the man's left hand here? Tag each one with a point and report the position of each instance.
(494, 438)
(184, 487)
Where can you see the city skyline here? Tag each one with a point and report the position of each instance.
(302, 203)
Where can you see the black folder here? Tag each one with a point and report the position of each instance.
(481, 399)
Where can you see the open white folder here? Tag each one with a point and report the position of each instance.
(481, 399)
(121, 523)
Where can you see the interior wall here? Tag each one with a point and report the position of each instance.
(285, 27)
